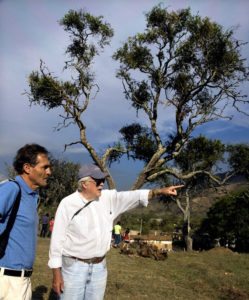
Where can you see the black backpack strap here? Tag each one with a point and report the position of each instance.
(14, 210)
(78, 211)
(4, 237)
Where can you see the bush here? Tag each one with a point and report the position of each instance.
(227, 220)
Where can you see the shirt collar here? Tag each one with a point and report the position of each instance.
(24, 185)
(84, 200)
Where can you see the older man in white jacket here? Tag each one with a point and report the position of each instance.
(82, 233)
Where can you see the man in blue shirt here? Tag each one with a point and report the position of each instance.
(33, 168)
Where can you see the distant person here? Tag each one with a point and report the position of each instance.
(82, 233)
(51, 225)
(127, 238)
(45, 222)
(117, 233)
(33, 168)
(112, 239)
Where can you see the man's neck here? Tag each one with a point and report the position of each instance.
(28, 182)
(86, 196)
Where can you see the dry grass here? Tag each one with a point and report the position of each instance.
(215, 274)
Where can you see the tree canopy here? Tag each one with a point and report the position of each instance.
(187, 65)
(182, 65)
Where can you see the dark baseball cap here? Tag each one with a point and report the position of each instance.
(92, 171)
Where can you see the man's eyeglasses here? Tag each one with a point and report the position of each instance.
(99, 181)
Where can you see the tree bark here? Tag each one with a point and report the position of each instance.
(186, 224)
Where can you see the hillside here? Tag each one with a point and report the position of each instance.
(199, 204)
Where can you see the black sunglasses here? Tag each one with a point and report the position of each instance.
(99, 181)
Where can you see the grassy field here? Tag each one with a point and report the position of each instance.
(215, 274)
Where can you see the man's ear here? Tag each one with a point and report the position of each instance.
(26, 168)
(83, 184)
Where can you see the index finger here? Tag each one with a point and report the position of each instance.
(178, 186)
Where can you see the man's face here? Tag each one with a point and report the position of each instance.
(38, 174)
(93, 188)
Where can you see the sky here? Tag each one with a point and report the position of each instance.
(29, 32)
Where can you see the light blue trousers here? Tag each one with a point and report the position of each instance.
(83, 281)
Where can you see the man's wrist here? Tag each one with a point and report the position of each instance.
(155, 193)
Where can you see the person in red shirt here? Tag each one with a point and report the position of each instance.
(51, 225)
(127, 238)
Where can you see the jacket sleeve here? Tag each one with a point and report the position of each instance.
(124, 201)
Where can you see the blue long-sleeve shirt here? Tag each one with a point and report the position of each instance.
(21, 248)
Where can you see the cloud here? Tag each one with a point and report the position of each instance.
(34, 34)
(76, 150)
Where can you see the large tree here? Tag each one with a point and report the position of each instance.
(188, 65)
(182, 65)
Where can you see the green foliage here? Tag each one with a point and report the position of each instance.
(139, 140)
(228, 220)
(239, 158)
(200, 154)
(46, 91)
(82, 25)
(141, 95)
(89, 35)
(190, 59)
(209, 48)
(130, 221)
(116, 153)
(134, 55)
(149, 222)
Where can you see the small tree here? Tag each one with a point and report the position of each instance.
(89, 35)
(195, 166)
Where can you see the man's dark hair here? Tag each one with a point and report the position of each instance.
(28, 154)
